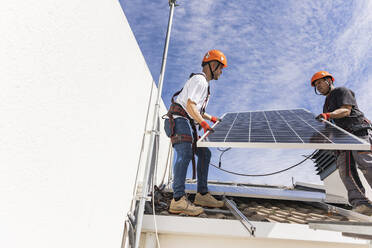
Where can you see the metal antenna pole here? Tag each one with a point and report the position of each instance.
(154, 130)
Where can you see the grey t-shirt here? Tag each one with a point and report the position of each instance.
(343, 96)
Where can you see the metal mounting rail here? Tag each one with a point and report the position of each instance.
(239, 215)
(349, 227)
(347, 213)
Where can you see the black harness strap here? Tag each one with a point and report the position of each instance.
(205, 103)
(179, 138)
(360, 129)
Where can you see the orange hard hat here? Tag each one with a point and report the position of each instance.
(319, 75)
(215, 55)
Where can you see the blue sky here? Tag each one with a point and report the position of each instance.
(273, 48)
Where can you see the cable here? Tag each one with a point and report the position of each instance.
(132, 205)
(125, 234)
(267, 174)
(167, 163)
(153, 211)
(222, 152)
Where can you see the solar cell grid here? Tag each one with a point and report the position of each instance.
(293, 128)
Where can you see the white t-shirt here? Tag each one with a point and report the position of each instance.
(195, 89)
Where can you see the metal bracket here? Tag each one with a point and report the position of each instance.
(139, 197)
(173, 2)
(156, 132)
(240, 216)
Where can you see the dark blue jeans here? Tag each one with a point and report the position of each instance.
(183, 158)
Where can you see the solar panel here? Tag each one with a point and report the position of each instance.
(292, 128)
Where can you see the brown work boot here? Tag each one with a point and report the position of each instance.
(207, 200)
(184, 206)
(365, 209)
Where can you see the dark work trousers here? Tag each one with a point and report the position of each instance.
(347, 164)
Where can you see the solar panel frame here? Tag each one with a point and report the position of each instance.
(296, 139)
(263, 192)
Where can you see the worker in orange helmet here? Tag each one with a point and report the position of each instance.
(341, 108)
(187, 110)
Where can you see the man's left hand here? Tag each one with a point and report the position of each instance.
(206, 127)
(214, 119)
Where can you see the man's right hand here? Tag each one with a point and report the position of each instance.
(324, 116)
(206, 127)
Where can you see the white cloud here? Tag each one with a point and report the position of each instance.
(354, 55)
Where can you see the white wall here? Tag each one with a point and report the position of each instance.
(334, 185)
(177, 231)
(74, 89)
(183, 241)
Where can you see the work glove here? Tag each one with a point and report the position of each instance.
(214, 119)
(324, 116)
(206, 127)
